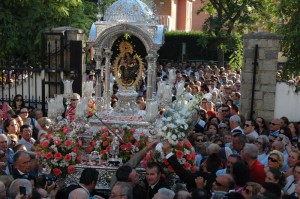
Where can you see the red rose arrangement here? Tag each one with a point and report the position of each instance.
(129, 145)
(184, 152)
(59, 151)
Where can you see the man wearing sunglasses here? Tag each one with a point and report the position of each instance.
(274, 127)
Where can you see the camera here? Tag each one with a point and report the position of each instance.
(46, 178)
(50, 179)
(23, 190)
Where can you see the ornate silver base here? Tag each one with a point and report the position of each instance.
(126, 105)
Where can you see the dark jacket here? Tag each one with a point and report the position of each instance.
(152, 191)
(189, 177)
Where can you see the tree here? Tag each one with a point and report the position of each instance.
(234, 16)
(23, 21)
(291, 31)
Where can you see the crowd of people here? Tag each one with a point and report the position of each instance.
(236, 157)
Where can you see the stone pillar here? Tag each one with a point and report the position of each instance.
(107, 97)
(151, 74)
(265, 81)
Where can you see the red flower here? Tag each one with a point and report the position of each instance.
(188, 157)
(45, 143)
(68, 143)
(90, 149)
(75, 149)
(102, 152)
(57, 171)
(194, 169)
(58, 156)
(66, 130)
(105, 143)
(193, 155)
(179, 154)
(188, 144)
(57, 142)
(132, 137)
(107, 149)
(49, 136)
(166, 162)
(187, 165)
(170, 169)
(104, 135)
(180, 144)
(68, 158)
(78, 158)
(123, 147)
(129, 146)
(79, 142)
(137, 144)
(39, 153)
(132, 130)
(71, 169)
(93, 143)
(143, 134)
(48, 155)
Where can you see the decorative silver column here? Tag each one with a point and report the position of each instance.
(151, 74)
(98, 86)
(107, 97)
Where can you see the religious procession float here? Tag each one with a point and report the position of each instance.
(125, 46)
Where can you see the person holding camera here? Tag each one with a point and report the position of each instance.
(20, 189)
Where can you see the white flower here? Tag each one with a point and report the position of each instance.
(164, 128)
(186, 151)
(174, 137)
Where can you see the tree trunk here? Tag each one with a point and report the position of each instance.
(220, 53)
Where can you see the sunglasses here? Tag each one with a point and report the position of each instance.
(200, 140)
(74, 99)
(272, 159)
(257, 142)
(271, 123)
(247, 191)
(219, 184)
(225, 111)
(247, 125)
(223, 127)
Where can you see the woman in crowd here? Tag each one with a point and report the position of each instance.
(11, 126)
(7, 111)
(212, 130)
(262, 142)
(19, 121)
(275, 160)
(275, 176)
(30, 121)
(295, 132)
(251, 189)
(293, 159)
(262, 127)
(18, 103)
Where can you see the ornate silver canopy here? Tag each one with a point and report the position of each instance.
(132, 11)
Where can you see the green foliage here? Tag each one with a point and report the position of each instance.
(290, 29)
(236, 16)
(236, 58)
(23, 22)
(199, 46)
